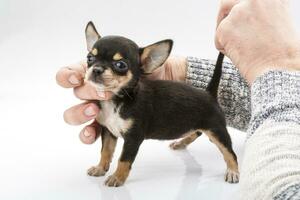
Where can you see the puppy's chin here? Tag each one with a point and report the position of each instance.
(101, 87)
(106, 84)
(98, 86)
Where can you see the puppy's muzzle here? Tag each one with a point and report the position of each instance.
(101, 76)
(96, 74)
(97, 71)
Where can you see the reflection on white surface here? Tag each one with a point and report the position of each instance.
(40, 156)
(43, 159)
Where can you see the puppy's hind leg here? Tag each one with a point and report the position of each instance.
(221, 138)
(184, 142)
(108, 147)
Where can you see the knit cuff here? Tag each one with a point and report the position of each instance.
(291, 193)
(276, 97)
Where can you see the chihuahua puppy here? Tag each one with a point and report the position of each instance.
(145, 109)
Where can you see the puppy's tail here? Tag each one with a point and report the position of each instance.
(213, 85)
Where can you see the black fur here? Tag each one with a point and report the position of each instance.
(160, 109)
(213, 85)
(167, 109)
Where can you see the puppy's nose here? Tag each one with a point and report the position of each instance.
(98, 71)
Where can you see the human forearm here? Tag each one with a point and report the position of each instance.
(270, 169)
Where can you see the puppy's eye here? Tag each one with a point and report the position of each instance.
(120, 66)
(90, 59)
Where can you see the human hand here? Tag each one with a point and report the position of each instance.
(73, 77)
(173, 69)
(258, 36)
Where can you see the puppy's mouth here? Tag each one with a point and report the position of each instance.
(107, 80)
(103, 83)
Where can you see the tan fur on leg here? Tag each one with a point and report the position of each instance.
(120, 175)
(232, 172)
(183, 143)
(107, 151)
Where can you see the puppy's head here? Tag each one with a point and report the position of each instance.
(115, 62)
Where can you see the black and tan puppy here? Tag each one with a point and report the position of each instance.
(142, 109)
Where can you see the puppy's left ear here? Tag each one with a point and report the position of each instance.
(154, 55)
(91, 35)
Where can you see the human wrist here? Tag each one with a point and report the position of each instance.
(281, 63)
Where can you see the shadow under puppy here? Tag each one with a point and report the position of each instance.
(145, 109)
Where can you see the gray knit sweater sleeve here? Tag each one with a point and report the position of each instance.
(271, 163)
(233, 94)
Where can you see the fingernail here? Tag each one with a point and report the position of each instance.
(86, 133)
(89, 111)
(73, 79)
(101, 94)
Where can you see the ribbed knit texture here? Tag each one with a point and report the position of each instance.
(233, 94)
(271, 164)
(276, 97)
(291, 193)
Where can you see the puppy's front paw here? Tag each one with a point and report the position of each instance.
(113, 181)
(177, 145)
(232, 176)
(96, 171)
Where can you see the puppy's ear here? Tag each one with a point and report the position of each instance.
(91, 35)
(154, 55)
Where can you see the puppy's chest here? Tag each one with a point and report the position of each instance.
(109, 117)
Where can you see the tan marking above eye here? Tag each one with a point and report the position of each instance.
(117, 56)
(94, 52)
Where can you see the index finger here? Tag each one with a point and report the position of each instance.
(224, 10)
(71, 76)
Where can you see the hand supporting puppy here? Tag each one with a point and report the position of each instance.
(73, 77)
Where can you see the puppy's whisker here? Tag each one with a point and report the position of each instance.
(127, 94)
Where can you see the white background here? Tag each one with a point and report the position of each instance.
(40, 156)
